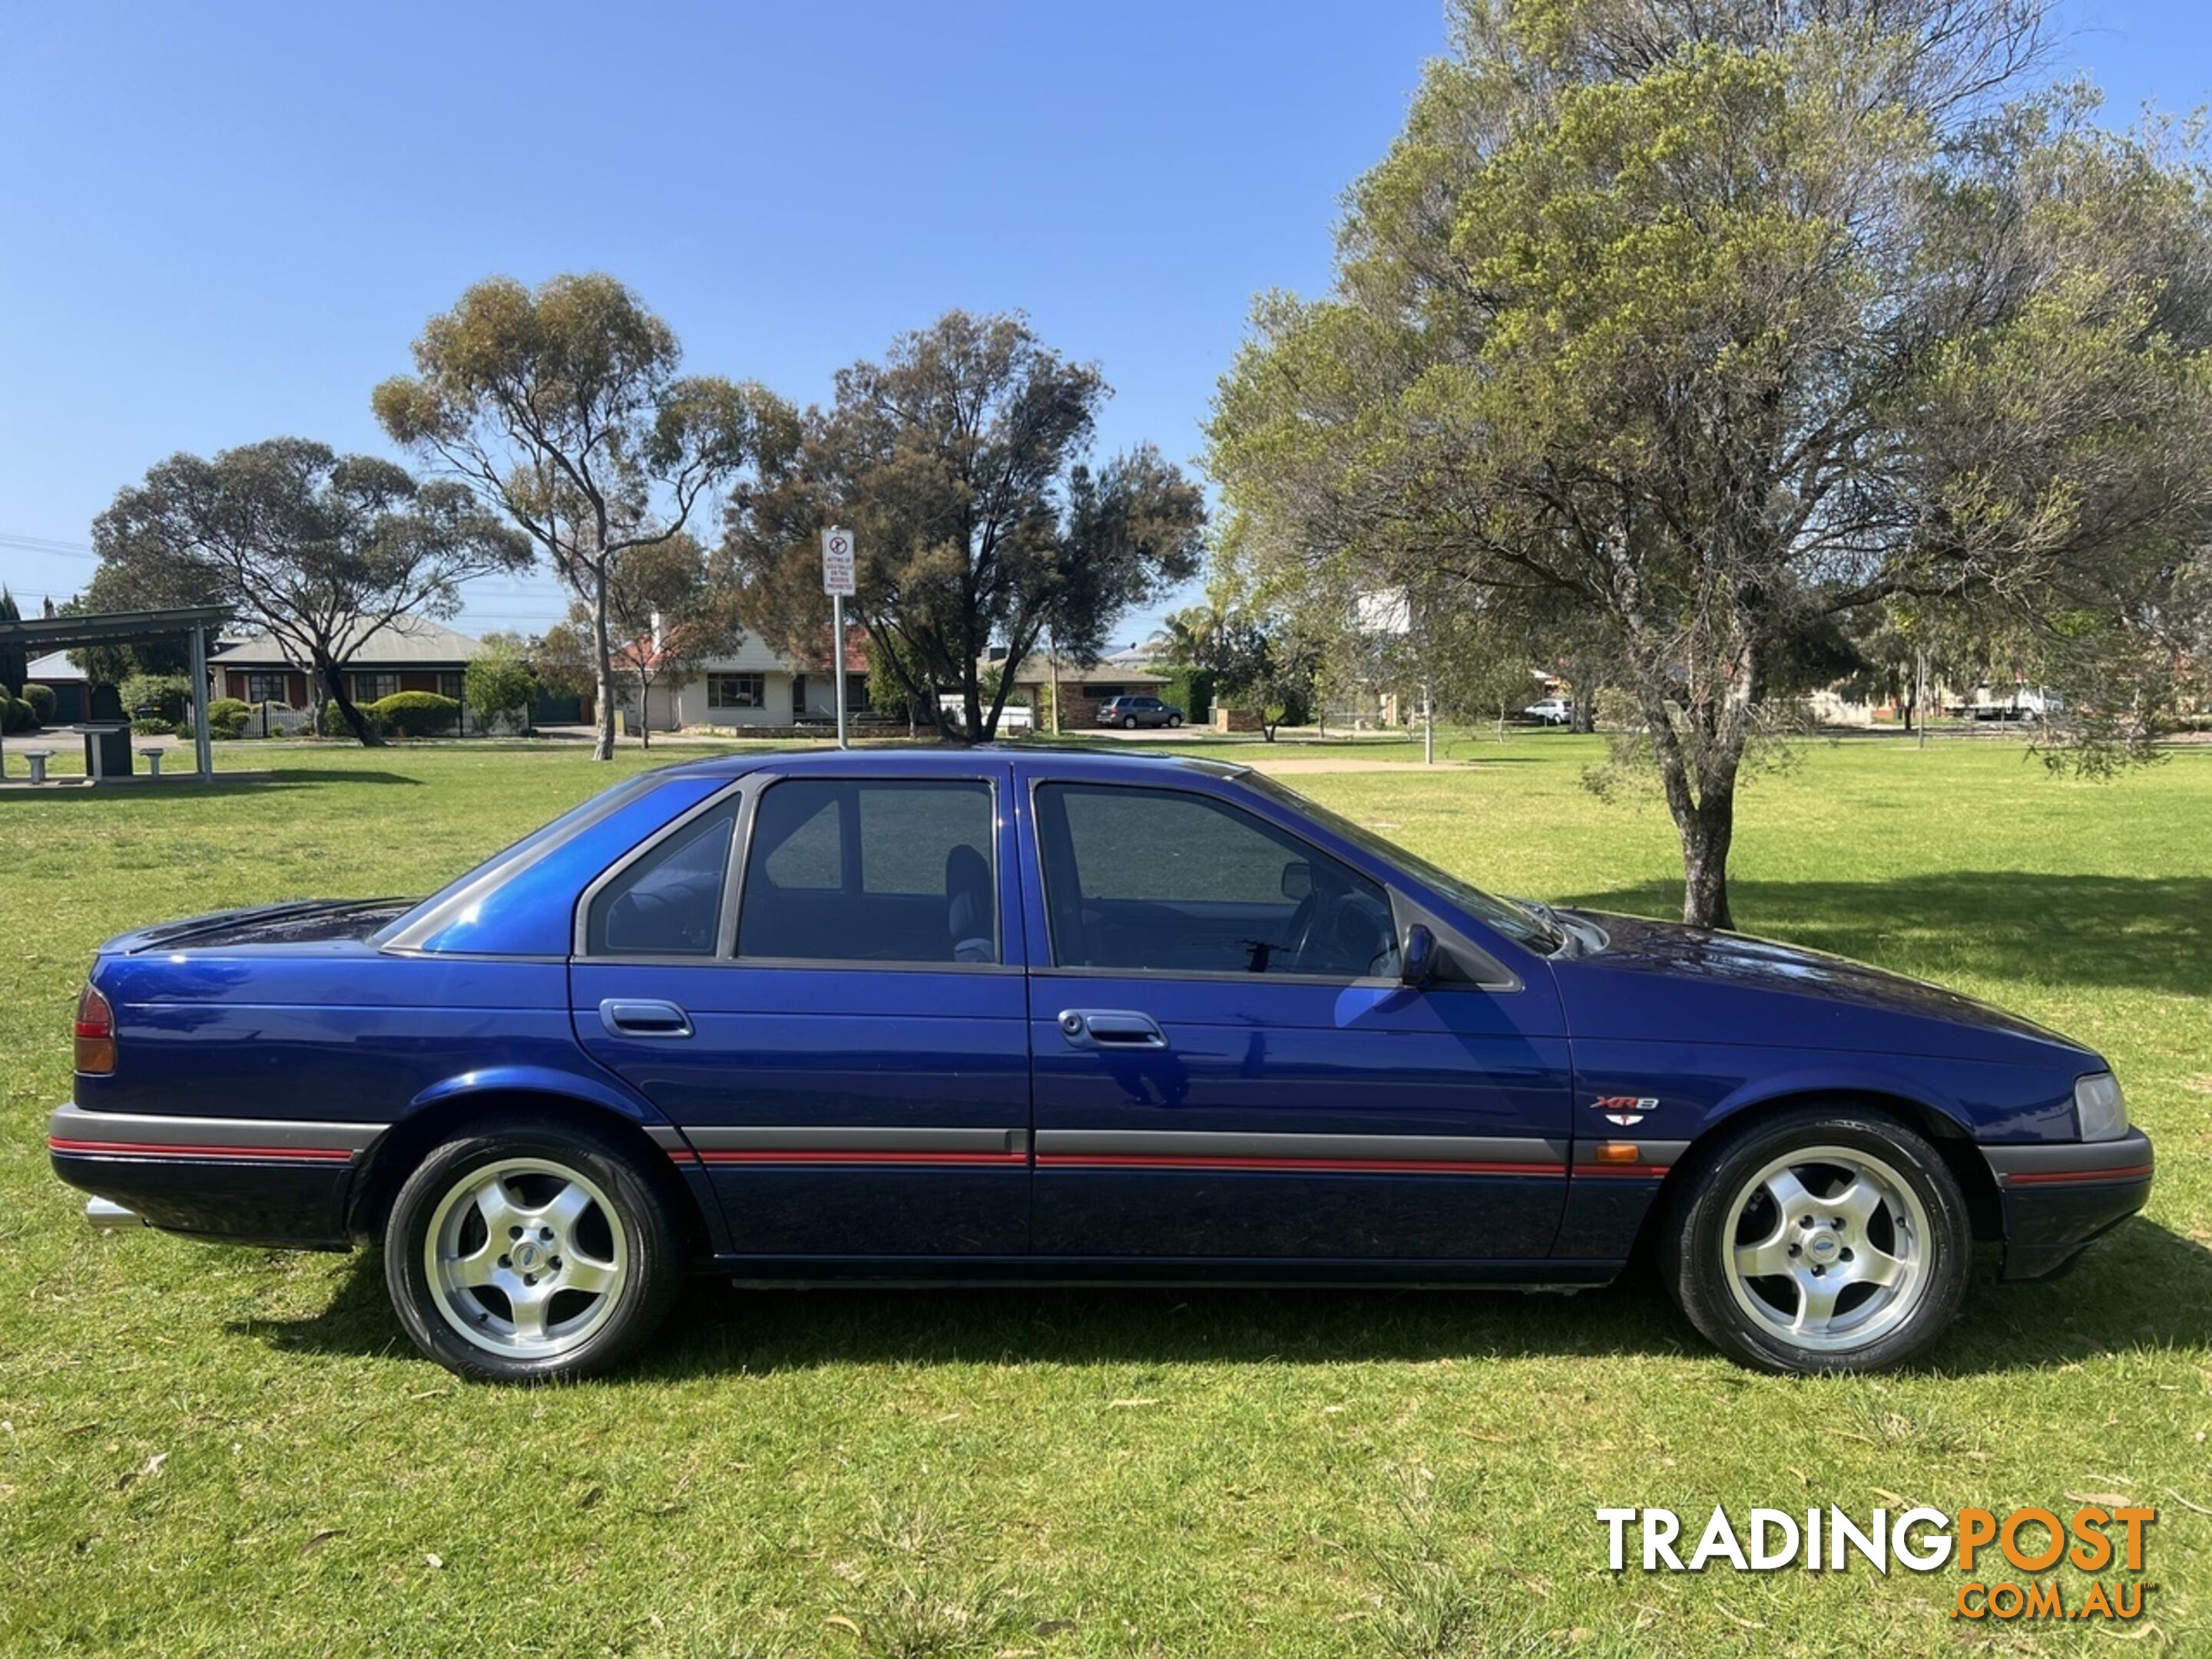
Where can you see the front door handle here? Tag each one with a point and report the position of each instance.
(625, 1016)
(1110, 1027)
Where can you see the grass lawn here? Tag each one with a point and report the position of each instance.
(213, 1451)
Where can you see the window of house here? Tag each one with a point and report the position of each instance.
(669, 903)
(1162, 881)
(266, 688)
(450, 683)
(856, 693)
(736, 690)
(871, 870)
(374, 688)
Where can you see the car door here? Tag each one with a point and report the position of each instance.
(1228, 1065)
(815, 978)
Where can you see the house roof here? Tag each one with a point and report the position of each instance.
(1036, 669)
(53, 669)
(408, 641)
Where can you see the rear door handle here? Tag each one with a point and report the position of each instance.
(1110, 1027)
(626, 1017)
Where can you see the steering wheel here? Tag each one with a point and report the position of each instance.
(1326, 929)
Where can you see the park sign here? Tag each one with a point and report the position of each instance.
(837, 562)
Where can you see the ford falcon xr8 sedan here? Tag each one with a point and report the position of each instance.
(997, 1017)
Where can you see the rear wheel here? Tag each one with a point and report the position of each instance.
(525, 1254)
(1820, 1241)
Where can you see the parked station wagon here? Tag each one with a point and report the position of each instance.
(994, 1016)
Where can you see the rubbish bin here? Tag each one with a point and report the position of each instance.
(106, 748)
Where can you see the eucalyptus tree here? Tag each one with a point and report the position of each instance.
(1706, 325)
(959, 463)
(562, 407)
(320, 551)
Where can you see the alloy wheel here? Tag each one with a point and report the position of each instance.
(525, 1257)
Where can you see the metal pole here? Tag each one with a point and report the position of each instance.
(837, 644)
(203, 747)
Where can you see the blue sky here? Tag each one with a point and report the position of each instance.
(223, 222)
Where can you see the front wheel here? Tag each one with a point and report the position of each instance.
(520, 1253)
(1175, 720)
(1820, 1241)
(1128, 722)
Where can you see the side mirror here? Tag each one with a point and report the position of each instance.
(1417, 957)
(1297, 880)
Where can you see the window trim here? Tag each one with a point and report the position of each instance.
(741, 860)
(1408, 903)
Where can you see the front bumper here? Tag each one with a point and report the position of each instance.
(2057, 1197)
(248, 1180)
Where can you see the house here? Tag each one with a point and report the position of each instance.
(1082, 685)
(750, 686)
(409, 654)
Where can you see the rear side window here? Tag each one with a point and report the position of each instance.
(871, 870)
(669, 903)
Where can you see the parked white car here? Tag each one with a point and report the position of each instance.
(1552, 711)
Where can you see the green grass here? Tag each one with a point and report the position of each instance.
(213, 1451)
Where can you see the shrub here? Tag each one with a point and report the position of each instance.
(41, 699)
(226, 717)
(415, 714)
(165, 693)
(152, 728)
(1190, 690)
(334, 720)
(15, 714)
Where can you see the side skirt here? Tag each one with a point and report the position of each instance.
(929, 1272)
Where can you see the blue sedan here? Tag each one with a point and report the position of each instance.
(992, 1015)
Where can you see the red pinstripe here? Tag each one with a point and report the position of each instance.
(147, 1149)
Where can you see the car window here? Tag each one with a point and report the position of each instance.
(871, 870)
(1167, 881)
(669, 903)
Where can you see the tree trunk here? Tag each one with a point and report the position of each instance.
(603, 747)
(1706, 834)
(334, 682)
(971, 704)
(644, 712)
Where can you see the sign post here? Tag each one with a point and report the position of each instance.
(837, 583)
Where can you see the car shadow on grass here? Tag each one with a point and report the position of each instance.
(2149, 932)
(2141, 1289)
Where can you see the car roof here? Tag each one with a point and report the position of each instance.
(1065, 760)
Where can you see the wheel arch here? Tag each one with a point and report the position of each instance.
(440, 1114)
(1943, 1129)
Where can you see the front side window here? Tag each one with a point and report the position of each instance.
(871, 870)
(1164, 881)
(669, 903)
(736, 690)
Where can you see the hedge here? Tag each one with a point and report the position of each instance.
(41, 699)
(415, 714)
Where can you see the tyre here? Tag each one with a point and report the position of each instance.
(1821, 1240)
(1128, 722)
(524, 1253)
(1175, 720)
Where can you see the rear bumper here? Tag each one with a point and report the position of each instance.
(2058, 1197)
(246, 1181)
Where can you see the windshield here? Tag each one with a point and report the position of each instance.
(1522, 926)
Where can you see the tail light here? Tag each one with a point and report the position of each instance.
(95, 1034)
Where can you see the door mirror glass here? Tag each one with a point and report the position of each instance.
(1297, 880)
(1417, 957)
